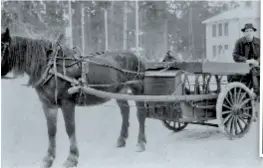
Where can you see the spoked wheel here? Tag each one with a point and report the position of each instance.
(174, 125)
(186, 90)
(235, 109)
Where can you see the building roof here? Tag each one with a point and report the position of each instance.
(236, 13)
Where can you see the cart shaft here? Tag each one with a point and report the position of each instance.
(148, 98)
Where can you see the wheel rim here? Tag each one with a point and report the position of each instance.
(174, 125)
(236, 111)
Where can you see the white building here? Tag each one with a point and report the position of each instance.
(224, 29)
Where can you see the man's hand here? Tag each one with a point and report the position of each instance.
(253, 62)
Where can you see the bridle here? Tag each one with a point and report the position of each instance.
(6, 46)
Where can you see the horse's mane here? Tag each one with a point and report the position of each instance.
(28, 53)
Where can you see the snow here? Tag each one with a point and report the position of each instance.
(24, 138)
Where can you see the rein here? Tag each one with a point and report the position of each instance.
(84, 59)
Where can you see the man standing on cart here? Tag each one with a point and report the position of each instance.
(247, 49)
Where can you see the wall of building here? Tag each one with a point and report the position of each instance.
(217, 41)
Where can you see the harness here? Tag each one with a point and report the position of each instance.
(83, 62)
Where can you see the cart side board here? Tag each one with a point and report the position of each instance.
(216, 68)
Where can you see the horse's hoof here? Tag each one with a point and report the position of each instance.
(47, 161)
(140, 147)
(72, 161)
(121, 143)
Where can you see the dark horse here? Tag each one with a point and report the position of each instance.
(30, 56)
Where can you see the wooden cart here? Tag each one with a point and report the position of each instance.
(196, 93)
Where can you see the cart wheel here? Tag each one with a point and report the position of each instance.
(174, 125)
(235, 109)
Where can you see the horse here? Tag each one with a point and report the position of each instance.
(23, 55)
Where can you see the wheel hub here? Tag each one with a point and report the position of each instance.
(236, 109)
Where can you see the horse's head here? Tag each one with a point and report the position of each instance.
(5, 53)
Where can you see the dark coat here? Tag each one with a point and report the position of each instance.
(241, 50)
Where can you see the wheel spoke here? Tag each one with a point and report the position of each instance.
(245, 102)
(247, 115)
(242, 97)
(227, 118)
(247, 108)
(228, 101)
(239, 124)
(231, 96)
(227, 106)
(226, 112)
(231, 124)
(243, 120)
(235, 95)
(238, 95)
(235, 125)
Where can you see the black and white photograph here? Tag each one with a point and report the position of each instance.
(131, 84)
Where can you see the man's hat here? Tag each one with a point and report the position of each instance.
(248, 26)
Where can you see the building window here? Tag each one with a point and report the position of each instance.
(226, 29)
(220, 47)
(214, 30)
(226, 47)
(214, 51)
(220, 30)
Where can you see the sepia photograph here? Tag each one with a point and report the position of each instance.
(131, 84)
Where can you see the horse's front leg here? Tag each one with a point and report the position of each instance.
(68, 110)
(51, 118)
(141, 116)
(125, 112)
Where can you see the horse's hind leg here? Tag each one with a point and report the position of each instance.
(68, 110)
(125, 110)
(51, 117)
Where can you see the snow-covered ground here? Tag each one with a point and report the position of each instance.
(24, 138)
